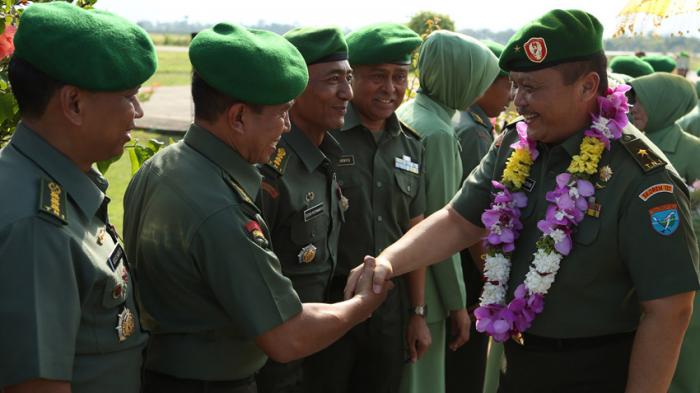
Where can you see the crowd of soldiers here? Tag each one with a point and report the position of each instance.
(313, 232)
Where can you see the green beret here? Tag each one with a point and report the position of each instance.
(93, 50)
(496, 49)
(660, 63)
(382, 43)
(254, 66)
(319, 44)
(630, 65)
(559, 36)
(697, 72)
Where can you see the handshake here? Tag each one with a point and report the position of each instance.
(372, 276)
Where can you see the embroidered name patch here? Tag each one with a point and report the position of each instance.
(115, 259)
(656, 189)
(664, 218)
(405, 164)
(346, 160)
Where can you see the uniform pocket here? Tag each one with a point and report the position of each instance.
(587, 231)
(407, 182)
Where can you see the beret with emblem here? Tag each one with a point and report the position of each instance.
(90, 49)
(660, 63)
(253, 66)
(557, 37)
(382, 43)
(319, 44)
(630, 65)
(496, 49)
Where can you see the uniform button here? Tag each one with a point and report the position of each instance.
(408, 187)
(379, 184)
(379, 218)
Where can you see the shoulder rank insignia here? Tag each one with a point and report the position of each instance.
(52, 200)
(643, 155)
(279, 160)
(410, 130)
(478, 118)
(256, 233)
(240, 191)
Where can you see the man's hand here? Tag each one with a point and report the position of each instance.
(418, 337)
(366, 289)
(460, 323)
(379, 273)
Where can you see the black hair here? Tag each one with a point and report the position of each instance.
(210, 103)
(574, 70)
(32, 88)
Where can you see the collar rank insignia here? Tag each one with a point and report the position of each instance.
(307, 254)
(665, 219)
(279, 161)
(254, 231)
(126, 325)
(52, 200)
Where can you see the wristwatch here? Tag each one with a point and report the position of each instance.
(420, 310)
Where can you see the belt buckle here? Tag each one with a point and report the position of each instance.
(519, 338)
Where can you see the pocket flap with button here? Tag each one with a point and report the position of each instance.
(408, 183)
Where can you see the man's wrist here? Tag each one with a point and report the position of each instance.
(420, 310)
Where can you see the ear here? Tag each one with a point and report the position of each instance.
(589, 86)
(235, 117)
(70, 100)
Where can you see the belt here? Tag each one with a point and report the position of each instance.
(158, 378)
(531, 341)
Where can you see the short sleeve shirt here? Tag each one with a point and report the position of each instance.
(68, 309)
(209, 282)
(619, 258)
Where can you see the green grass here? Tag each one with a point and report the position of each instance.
(170, 39)
(119, 174)
(174, 69)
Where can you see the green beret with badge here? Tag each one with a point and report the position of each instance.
(254, 66)
(660, 63)
(557, 37)
(496, 49)
(630, 65)
(319, 44)
(382, 43)
(90, 49)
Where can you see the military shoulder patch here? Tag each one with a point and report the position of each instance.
(255, 232)
(665, 219)
(477, 118)
(656, 189)
(410, 130)
(278, 162)
(52, 200)
(642, 153)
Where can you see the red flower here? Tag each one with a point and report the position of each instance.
(7, 46)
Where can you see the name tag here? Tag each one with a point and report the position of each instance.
(529, 184)
(404, 163)
(346, 160)
(313, 212)
(116, 258)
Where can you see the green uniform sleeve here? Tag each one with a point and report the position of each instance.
(475, 194)
(443, 173)
(475, 145)
(657, 242)
(40, 307)
(244, 275)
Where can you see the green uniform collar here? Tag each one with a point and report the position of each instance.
(435, 107)
(309, 154)
(85, 189)
(225, 157)
(480, 117)
(352, 120)
(572, 144)
(667, 138)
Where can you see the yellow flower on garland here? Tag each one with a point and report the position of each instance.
(586, 162)
(517, 168)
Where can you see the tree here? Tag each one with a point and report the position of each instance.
(428, 21)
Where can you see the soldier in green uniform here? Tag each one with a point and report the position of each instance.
(381, 175)
(454, 70)
(68, 309)
(211, 288)
(632, 251)
(465, 367)
(691, 122)
(661, 99)
(301, 200)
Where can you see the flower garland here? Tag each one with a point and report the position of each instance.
(568, 203)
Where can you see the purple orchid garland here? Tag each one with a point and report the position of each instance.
(568, 203)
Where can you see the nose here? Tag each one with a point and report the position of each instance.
(287, 123)
(345, 92)
(519, 98)
(138, 111)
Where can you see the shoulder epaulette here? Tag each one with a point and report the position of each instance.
(642, 153)
(477, 118)
(410, 130)
(52, 200)
(278, 162)
(510, 126)
(240, 191)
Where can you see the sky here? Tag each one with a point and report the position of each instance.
(496, 15)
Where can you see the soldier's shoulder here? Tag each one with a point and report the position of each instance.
(409, 130)
(507, 132)
(647, 157)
